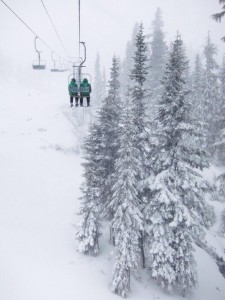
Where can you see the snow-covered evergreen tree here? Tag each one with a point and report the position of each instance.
(109, 117)
(177, 205)
(211, 93)
(127, 220)
(100, 147)
(89, 227)
(138, 76)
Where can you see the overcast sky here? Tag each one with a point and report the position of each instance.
(106, 26)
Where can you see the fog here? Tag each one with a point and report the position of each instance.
(106, 26)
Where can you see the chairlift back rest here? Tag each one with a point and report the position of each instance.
(73, 89)
(85, 90)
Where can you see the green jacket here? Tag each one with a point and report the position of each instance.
(85, 88)
(73, 88)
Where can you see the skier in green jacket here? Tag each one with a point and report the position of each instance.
(85, 90)
(73, 91)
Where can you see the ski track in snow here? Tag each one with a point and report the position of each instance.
(40, 175)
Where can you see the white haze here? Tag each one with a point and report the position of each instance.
(106, 26)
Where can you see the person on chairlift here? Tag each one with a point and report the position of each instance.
(73, 91)
(85, 90)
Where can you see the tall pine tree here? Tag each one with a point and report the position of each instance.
(177, 205)
(139, 117)
(89, 227)
(127, 220)
(109, 117)
(138, 91)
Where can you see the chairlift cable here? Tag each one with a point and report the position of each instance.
(30, 28)
(54, 28)
(18, 17)
(79, 24)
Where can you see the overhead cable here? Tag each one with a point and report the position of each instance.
(30, 28)
(54, 28)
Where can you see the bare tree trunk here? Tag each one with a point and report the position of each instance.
(141, 243)
(128, 279)
(111, 236)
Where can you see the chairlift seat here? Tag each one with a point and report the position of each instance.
(39, 65)
(55, 70)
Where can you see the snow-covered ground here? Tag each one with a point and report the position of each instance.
(40, 176)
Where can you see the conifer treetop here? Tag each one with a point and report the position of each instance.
(139, 71)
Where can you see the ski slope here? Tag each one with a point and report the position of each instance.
(40, 176)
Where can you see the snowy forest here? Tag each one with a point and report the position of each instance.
(158, 130)
(116, 191)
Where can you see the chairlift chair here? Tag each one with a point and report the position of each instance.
(38, 64)
(54, 69)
